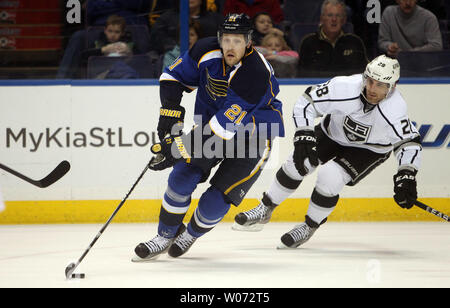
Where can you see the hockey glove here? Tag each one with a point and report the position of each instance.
(405, 188)
(170, 151)
(305, 144)
(168, 118)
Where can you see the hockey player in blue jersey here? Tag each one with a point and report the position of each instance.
(235, 108)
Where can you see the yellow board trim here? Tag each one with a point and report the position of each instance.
(143, 211)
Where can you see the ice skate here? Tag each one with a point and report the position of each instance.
(297, 236)
(152, 249)
(254, 219)
(181, 244)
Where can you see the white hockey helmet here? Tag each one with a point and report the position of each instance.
(383, 69)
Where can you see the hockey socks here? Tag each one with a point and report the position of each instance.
(320, 207)
(211, 209)
(171, 215)
(182, 182)
(330, 181)
(282, 187)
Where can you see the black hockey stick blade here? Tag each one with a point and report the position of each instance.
(429, 209)
(51, 178)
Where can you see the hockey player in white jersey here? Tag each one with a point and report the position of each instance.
(363, 120)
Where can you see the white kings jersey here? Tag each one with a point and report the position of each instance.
(349, 120)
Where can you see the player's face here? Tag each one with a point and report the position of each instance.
(233, 46)
(376, 91)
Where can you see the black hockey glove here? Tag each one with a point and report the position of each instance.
(168, 118)
(305, 144)
(405, 188)
(170, 151)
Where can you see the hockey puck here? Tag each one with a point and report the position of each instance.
(80, 276)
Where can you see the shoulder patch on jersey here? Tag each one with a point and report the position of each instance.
(394, 107)
(252, 79)
(338, 89)
(389, 121)
(202, 47)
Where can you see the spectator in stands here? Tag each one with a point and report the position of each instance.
(330, 51)
(279, 54)
(437, 7)
(252, 7)
(113, 41)
(195, 33)
(262, 25)
(83, 39)
(408, 27)
(163, 35)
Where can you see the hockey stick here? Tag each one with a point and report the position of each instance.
(72, 266)
(429, 209)
(51, 178)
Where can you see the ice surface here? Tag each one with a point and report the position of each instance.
(394, 254)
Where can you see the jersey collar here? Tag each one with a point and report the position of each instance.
(367, 107)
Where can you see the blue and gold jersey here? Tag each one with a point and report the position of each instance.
(227, 97)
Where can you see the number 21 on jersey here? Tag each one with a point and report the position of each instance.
(235, 114)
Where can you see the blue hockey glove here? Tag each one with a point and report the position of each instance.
(168, 118)
(168, 152)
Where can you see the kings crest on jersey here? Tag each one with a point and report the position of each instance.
(229, 97)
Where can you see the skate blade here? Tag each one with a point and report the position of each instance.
(251, 228)
(137, 259)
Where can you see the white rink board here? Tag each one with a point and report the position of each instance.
(105, 133)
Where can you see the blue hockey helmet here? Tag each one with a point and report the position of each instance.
(236, 24)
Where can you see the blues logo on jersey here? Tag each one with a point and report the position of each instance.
(215, 87)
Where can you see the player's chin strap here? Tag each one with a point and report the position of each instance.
(367, 106)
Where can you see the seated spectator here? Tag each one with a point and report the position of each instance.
(408, 27)
(81, 40)
(113, 41)
(262, 25)
(281, 57)
(252, 7)
(194, 34)
(330, 51)
(163, 35)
